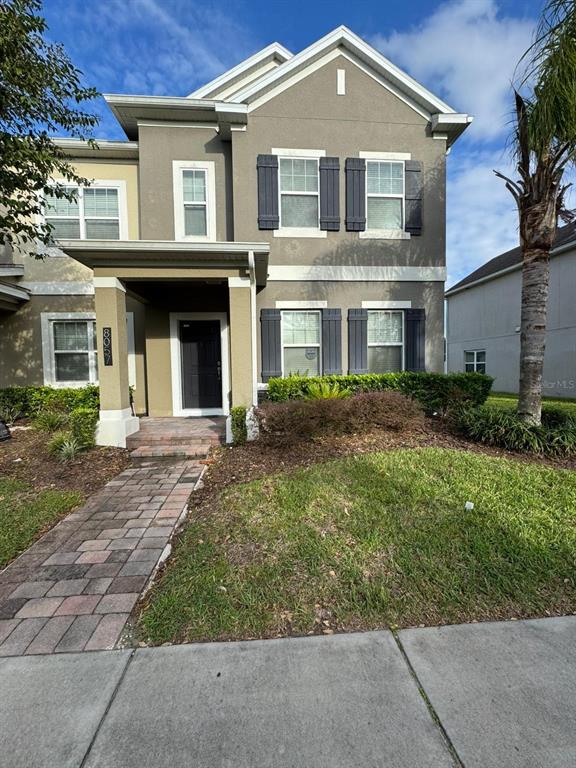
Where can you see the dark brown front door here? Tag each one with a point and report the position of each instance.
(201, 364)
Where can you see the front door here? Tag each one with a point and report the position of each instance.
(201, 364)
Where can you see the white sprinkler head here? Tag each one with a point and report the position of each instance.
(469, 506)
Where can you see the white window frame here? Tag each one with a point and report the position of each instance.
(475, 362)
(298, 154)
(386, 157)
(178, 168)
(284, 346)
(118, 184)
(391, 343)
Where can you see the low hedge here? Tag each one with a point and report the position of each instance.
(239, 429)
(436, 392)
(29, 401)
(83, 422)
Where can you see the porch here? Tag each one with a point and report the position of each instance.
(176, 329)
(176, 437)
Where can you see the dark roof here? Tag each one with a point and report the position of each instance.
(510, 259)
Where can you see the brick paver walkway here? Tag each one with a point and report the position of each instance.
(73, 590)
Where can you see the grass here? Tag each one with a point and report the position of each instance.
(374, 540)
(509, 402)
(25, 514)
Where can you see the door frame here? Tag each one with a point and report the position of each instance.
(176, 363)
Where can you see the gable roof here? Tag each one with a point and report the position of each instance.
(511, 260)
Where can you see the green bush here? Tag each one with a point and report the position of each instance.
(57, 441)
(9, 414)
(83, 423)
(69, 449)
(436, 392)
(50, 421)
(503, 429)
(327, 390)
(239, 430)
(29, 401)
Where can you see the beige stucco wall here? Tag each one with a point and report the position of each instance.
(240, 346)
(113, 379)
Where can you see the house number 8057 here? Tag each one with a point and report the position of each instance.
(107, 345)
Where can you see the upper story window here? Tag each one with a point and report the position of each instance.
(385, 341)
(94, 213)
(384, 195)
(475, 361)
(299, 193)
(194, 200)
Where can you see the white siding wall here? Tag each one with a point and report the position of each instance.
(486, 317)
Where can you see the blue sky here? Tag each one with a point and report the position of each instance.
(463, 50)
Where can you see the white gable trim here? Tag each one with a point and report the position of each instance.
(275, 49)
(342, 36)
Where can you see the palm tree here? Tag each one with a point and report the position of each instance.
(544, 143)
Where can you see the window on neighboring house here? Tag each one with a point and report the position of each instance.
(93, 214)
(195, 203)
(385, 341)
(301, 343)
(384, 195)
(475, 361)
(74, 351)
(299, 200)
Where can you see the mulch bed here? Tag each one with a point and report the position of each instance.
(258, 459)
(86, 473)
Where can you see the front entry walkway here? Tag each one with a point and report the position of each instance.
(73, 590)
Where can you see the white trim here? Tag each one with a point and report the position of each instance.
(108, 282)
(114, 427)
(118, 184)
(161, 246)
(178, 168)
(172, 124)
(301, 304)
(18, 291)
(340, 82)
(283, 273)
(299, 232)
(384, 234)
(252, 271)
(304, 153)
(385, 155)
(238, 282)
(317, 345)
(65, 288)
(342, 36)
(273, 50)
(48, 359)
(386, 305)
(131, 349)
(176, 363)
(11, 270)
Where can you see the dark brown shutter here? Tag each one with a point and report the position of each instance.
(267, 169)
(413, 195)
(357, 341)
(329, 193)
(271, 347)
(355, 194)
(331, 341)
(415, 330)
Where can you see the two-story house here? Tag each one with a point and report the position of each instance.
(287, 217)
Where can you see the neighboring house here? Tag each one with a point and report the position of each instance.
(287, 217)
(483, 320)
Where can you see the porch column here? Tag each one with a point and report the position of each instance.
(116, 420)
(241, 351)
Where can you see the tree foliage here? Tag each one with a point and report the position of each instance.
(40, 95)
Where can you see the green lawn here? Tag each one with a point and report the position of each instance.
(369, 541)
(25, 514)
(502, 400)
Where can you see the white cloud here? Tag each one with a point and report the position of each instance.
(465, 51)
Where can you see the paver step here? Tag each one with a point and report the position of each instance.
(177, 451)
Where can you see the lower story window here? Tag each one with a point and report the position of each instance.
(475, 361)
(301, 345)
(74, 351)
(385, 341)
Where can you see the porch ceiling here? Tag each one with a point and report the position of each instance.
(166, 254)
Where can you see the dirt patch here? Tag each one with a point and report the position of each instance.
(25, 457)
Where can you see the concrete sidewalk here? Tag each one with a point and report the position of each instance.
(501, 694)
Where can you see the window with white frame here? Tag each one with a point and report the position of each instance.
(384, 195)
(475, 361)
(299, 193)
(92, 214)
(73, 347)
(385, 341)
(301, 345)
(194, 200)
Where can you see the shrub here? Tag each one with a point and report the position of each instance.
(553, 416)
(57, 441)
(504, 429)
(436, 392)
(29, 401)
(83, 423)
(326, 390)
(69, 449)
(304, 419)
(9, 414)
(50, 421)
(239, 430)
